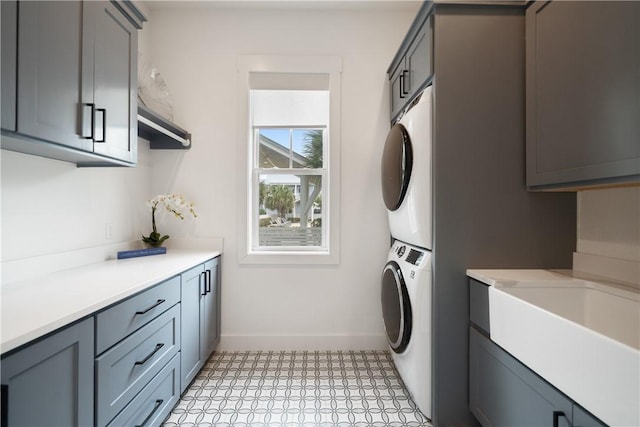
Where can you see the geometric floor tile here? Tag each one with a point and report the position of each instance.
(297, 388)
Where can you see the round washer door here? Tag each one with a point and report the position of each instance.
(396, 307)
(397, 161)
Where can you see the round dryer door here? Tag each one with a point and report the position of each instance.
(396, 307)
(397, 161)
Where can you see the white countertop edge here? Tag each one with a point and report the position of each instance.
(508, 277)
(115, 280)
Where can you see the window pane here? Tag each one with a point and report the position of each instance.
(290, 210)
(308, 143)
(273, 148)
(290, 148)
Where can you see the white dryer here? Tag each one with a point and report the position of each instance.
(406, 173)
(406, 308)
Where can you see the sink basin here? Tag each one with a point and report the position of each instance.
(581, 336)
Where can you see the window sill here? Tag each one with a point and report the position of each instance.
(288, 258)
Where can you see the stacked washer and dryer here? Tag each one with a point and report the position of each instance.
(406, 292)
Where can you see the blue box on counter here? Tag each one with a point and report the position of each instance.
(141, 252)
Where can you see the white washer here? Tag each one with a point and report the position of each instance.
(406, 308)
(406, 173)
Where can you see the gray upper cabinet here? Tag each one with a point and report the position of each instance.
(412, 68)
(114, 87)
(74, 98)
(583, 94)
(50, 383)
(50, 71)
(9, 41)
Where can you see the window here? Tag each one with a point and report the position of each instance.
(290, 159)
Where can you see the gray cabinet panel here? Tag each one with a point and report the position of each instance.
(418, 59)
(211, 326)
(192, 293)
(503, 392)
(582, 418)
(583, 93)
(479, 305)
(125, 370)
(398, 94)
(50, 383)
(117, 322)
(9, 41)
(155, 401)
(49, 58)
(200, 317)
(115, 81)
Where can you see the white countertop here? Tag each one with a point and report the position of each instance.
(33, 308)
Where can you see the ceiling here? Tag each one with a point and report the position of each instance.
(408, 5)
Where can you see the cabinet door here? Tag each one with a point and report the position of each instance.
(583, 92)
(50, 383)
(114, 41)
(49, 67)
(9, 41)
(503, 392)
(418, 59)
(192, 303)
(582, 418)
(210, 318)
(398, 89)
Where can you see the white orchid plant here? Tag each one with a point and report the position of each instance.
(173, 203)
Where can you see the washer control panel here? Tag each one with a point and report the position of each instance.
(410, 254)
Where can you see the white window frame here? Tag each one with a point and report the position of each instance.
(330, 253)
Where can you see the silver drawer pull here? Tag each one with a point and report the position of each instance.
(160, 301)
(155, 350)
(153, 411)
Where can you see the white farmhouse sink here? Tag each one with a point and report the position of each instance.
(581, 336)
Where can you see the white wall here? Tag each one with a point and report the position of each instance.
(609, 233)
(196, 50)
(54, 214)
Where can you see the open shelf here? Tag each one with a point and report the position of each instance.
(161, 133)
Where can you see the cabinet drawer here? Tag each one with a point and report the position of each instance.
(126, 369)
(155, 401)
(504, 392)
(119, 321)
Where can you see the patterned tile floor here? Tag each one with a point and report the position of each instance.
(295, 388)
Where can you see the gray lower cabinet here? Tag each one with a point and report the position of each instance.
(153, 403)
(505, 392)
(126, 365)
(582, 93)
(137, 349)
(50, 382)
(200, 317)
(75, 98)
(127, 368)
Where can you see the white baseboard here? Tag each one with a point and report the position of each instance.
(302, 342)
